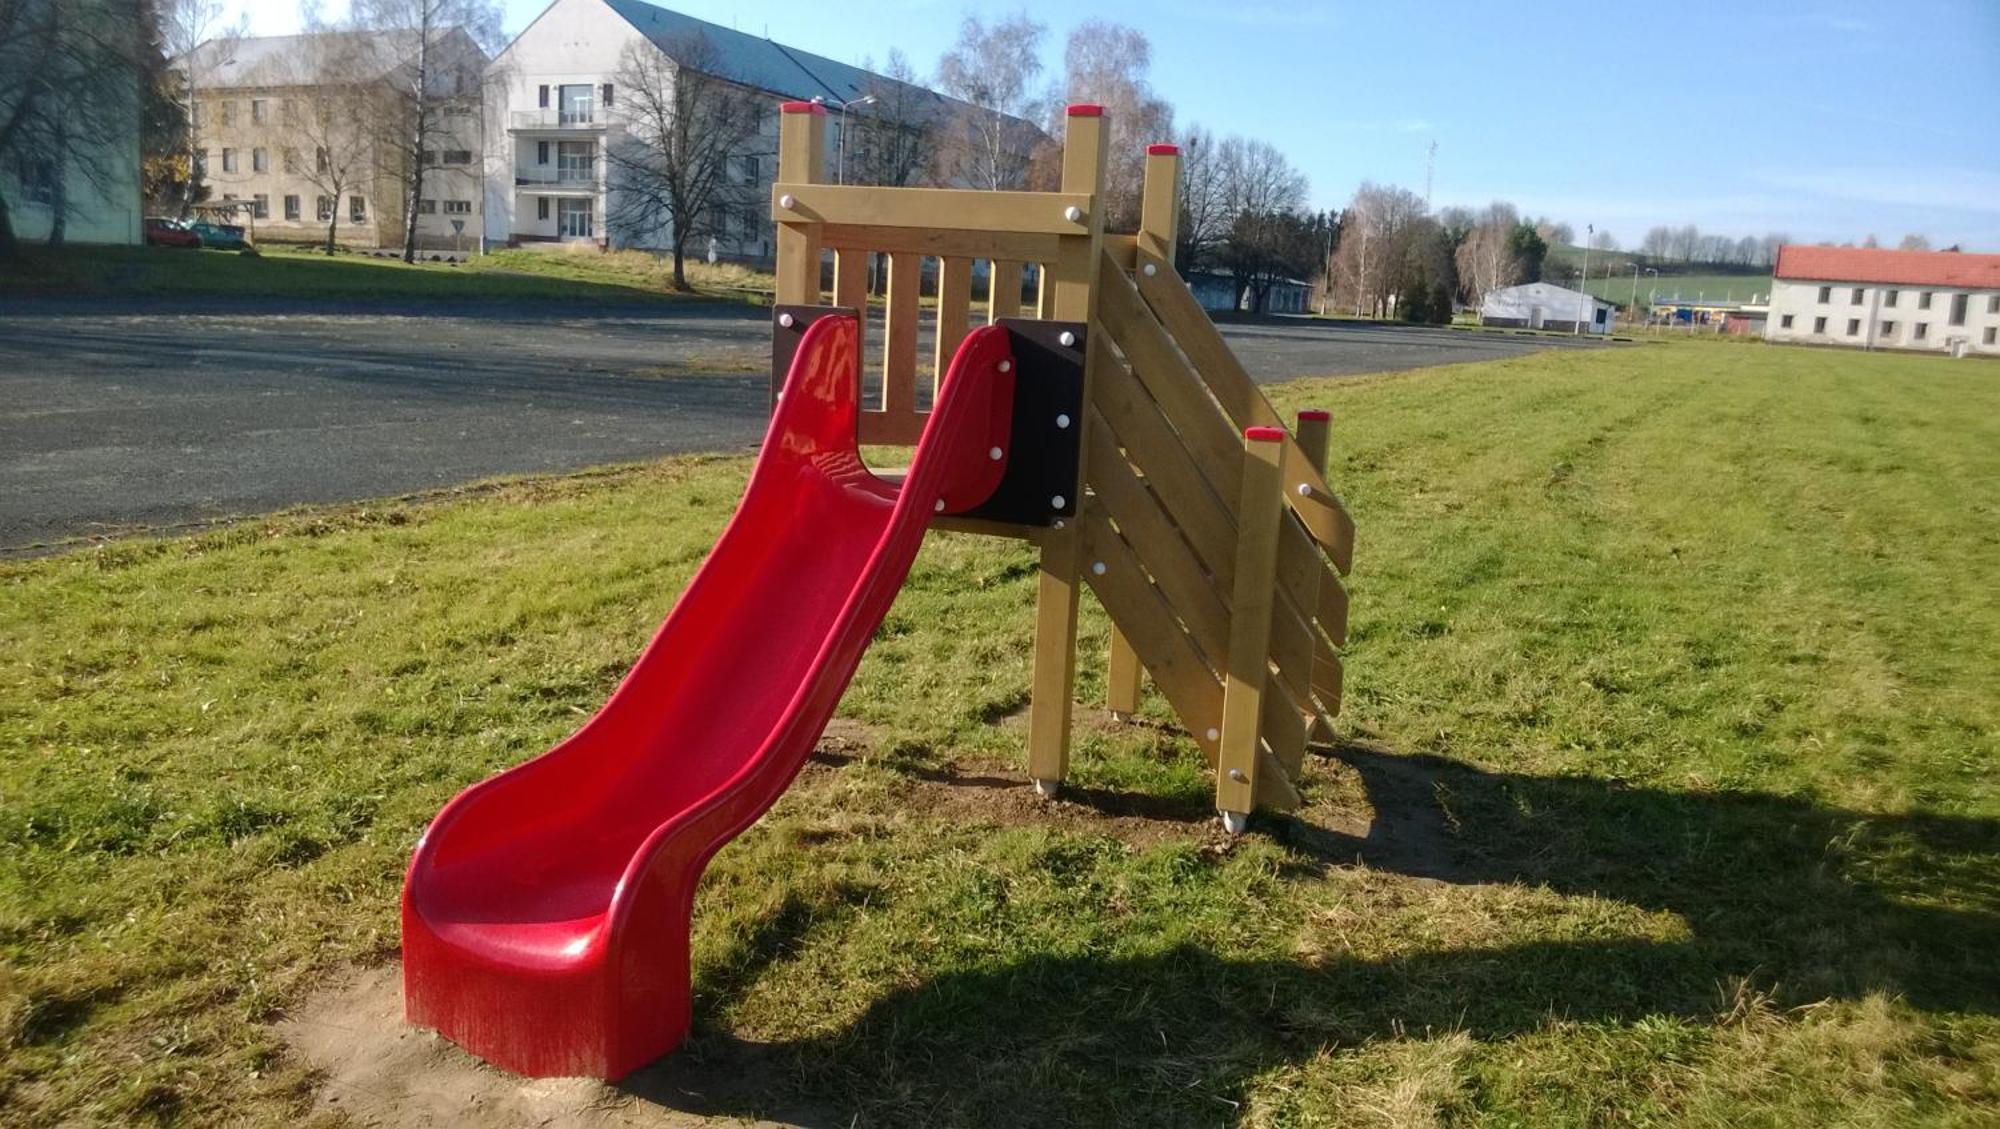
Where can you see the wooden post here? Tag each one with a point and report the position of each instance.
(954, 313)
(1159, 226)
(1312, 435)
(1250, 607)
(1003, 291)
(801, 160)
(1068, 294)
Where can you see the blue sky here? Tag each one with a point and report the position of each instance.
(1827, 120)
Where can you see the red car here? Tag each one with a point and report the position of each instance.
(163, 232)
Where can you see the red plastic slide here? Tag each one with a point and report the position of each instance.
(546, 910)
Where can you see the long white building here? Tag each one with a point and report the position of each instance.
(1941, 301)
(554, 108)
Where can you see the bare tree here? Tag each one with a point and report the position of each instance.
(1106, 63)
(435, 56)
(1374, 246)
(682, 126)
(70, 101)
(1914, 243)
(1206, 161)
(196, 42)
(992, 69)
(338, 154)
(893, 138)
(1603, 241)
(1487, 257)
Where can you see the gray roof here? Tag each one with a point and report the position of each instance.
(288, 60)
(764, 64)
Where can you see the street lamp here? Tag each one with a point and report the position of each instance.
(1589, 235)
(840, 162)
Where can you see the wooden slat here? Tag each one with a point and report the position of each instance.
(1042, 213)
(1176, 665)
(938, 242)
(1313, 433)
(890, 429)
(1217, 447)
(850, 281)
(1176, 308)
(1003, 290)
(1251, 603)
(1124, 251)
(899, 334)
(985, 528)
(954, 311)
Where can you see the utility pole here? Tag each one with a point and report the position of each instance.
(1589, 231)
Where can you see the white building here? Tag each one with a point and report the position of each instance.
(1544, 305)
(555, 108)
(1943, 301)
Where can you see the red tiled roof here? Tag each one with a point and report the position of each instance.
(1895, 268)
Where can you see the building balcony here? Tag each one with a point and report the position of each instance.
(556, 120)
(550, 180)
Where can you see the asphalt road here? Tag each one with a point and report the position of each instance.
(126, 415)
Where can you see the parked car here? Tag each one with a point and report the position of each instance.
(164, 232)
(221, 236)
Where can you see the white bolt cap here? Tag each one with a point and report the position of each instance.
(1151, 270)
(1067, 338)
(995, 454)
(1305, 490)
(1006, 366)
(1058, 502)
(940, 506)
(786, 201)
(785, 320)
(1073, 214)
(1058, 523)
(1062, 421)
(1236, 774)
(1214, 734)
(1097, 568)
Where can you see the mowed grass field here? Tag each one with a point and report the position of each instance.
(1667, 790)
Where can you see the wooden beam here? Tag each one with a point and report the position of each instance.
(1312, 433)
(801, 160)
(1003, 290)
(1058, 585)
(1031, 213)
(850, 282)
(940, 242)
(890, 429)
(899, 334)
(1250, 605)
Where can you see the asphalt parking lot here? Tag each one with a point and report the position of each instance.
(126, 415)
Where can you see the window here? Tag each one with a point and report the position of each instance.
(1785, 321)
(543, 97)
(323, 208)
(292, 162)
(321, 159)
(458, 207)
(1991, 333)
(1854, 327)
(288, 109)
(1825, 295)
(39, 179)
(541, 152)
(259, 110)
(260, 206)
(1858, 292)
(541, 207)
(579, 105)
(1993, 304)
(1924, 300)
(457, 110)
(750, 169)
(430, 158)
(200, 114)
(458, 156)
(260, 161)
(357, 209)
(576, 161)
(1888, 330)
(292, 208)
(1819, 325)
(607, 95)
(228, 112)
(1958, 304)
(1889, 298)
(575, 219)
(427, 207)
(229, 160)
(1922, 330)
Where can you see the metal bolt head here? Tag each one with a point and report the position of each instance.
(1058, 502)
(995, 454)
(1214, 734)
(1067, 338)
(1006, 366)
(1097, 568)
(785, 320)
(1058, 523)
(1236, 774)
(1073, 214)
(1151, 270)
(786, 201)
(939, 508)
(1305, 490)
(1062, 422)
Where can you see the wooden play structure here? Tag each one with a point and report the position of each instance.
(1202, 524)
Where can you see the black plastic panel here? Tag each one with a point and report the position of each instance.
(1047, 431)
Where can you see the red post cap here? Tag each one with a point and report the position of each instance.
(1264, 434)
(1163, 150)
(1085, 110)
(1320, 414)
(802, 108)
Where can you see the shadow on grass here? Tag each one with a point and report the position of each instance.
(1803, 902)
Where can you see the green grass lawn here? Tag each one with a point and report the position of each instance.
(297, 272)
(1667, 792)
